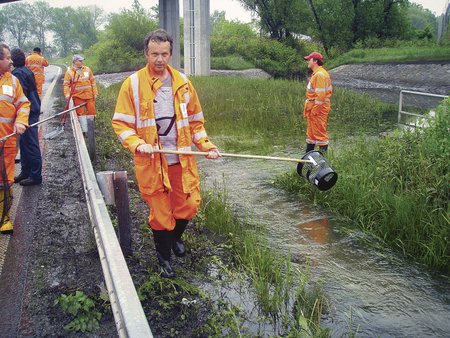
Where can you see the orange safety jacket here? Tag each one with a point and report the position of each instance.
(14, 107)
(83, 82)
(134, 123)
(36, 63)
(318, 92)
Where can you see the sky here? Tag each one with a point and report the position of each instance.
(233, 9)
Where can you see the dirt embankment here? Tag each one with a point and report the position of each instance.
(385, 81)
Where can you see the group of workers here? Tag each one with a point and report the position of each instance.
(157, 110)
(21, 81)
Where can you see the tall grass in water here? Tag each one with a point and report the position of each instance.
(256, 115)
(397, 188)
(283, 292)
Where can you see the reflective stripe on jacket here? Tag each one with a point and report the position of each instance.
(36, 63)
(83, 80)
(318, 92)
(134, 123)
(14, 106)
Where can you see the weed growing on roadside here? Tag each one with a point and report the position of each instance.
(82, 308)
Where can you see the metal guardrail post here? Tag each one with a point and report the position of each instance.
(123, 211)
(91, 138)
(126, 307)
(114, 188)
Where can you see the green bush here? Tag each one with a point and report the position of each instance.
(274, 57)
(110, 57)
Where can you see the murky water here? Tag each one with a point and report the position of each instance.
(375, 293)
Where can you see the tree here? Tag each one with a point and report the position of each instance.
(2, 19)
(280, 18)
(41, 20)
(63, 26)
(85, 26)
(129, 27)
(17, 21)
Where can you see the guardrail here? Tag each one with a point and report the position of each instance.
(402, 112)
(127, 309)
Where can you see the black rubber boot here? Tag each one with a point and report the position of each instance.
(309, 147)
(163, 244)
(323, 149)
(178, 247)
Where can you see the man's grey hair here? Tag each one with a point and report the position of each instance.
(159, 35)
(2, 47)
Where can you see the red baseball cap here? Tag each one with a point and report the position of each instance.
(315, 56)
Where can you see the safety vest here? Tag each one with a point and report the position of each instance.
(319, 87)
(36, 63)
(82, 81)
(134, 123)
(14, 106)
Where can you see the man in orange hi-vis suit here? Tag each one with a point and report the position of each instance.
(36, 62)
(80, 85)
(158, 107)
(317, 104)
(14, 111)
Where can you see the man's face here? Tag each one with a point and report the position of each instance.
(158, 56)
(311, 63)
(78, 63)
(6, 63)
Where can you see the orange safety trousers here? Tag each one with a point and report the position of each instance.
(168, 206)
(88, 109)
(9, 158)
(317, 124)
(39, 80)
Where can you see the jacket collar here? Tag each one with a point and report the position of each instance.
(177, 79)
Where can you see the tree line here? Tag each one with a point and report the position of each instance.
(273, 41)
(340, 25)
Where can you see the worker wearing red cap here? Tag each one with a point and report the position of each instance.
(317, 104)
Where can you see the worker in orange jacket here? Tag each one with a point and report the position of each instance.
(36, 62)
(80, 85)
(158, 107)
(317, 104)
(14, 111)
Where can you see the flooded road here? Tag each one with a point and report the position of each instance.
(375, 293)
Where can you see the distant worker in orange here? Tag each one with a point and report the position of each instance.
(80, 85)
(36, 62)
(317, 104)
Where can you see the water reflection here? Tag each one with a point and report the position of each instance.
(318, 230)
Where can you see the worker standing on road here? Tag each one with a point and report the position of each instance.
(14, 110)
(36, 62)
(158, 107)
(317, 104)
(80, 85)
(30, 153)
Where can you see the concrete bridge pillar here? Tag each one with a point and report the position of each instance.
(169, 19)
(197, 59)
